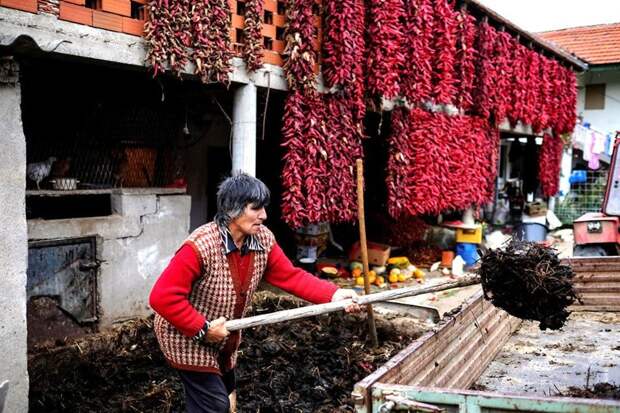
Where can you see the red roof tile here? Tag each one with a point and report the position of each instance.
(597, 45)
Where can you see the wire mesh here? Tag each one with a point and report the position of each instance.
(583, 197)
(122, 147)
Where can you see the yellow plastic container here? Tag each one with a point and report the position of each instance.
(470, 236)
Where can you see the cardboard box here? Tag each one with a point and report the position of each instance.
(536, 209)
(378, 254)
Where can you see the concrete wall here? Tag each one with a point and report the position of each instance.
(13, 248)
(134, 246)
(608, 119)
(197, 169)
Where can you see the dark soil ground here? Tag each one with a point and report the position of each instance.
(598, 391)
(47, 323)
(307, 365)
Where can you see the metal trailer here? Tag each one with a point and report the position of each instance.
(436, 371)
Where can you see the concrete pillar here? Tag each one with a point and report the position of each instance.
(13, 240)
(244, 129)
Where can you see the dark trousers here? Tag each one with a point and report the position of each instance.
(207, 392)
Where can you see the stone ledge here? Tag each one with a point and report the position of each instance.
(110, 227)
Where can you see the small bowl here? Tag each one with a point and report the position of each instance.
(64, 184)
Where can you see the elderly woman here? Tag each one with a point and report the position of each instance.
(211, 279)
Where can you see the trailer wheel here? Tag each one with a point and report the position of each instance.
(589, 251)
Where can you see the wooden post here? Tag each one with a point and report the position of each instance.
(372, 329)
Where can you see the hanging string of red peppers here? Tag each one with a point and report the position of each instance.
(453, 170)
(299, 55)
(446, 24)
(422, 50)
(466, 56)
(343, 49)
(417, 74)
(503, 70)
(181, 31)
(518, 82)
(549, 163)
(484, 94)
(386, 56)
(322, 132)
(252, 35)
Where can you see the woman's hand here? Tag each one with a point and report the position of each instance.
(343, 294)
(217, 331)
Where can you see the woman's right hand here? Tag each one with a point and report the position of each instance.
(217, 331)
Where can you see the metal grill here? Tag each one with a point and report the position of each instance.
(118, 147)
(583, 197)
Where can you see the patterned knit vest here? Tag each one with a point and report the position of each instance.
(217, 293)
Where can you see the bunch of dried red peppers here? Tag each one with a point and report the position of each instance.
(425, 54)
(322, 132)
(439, 162)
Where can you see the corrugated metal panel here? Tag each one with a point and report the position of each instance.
(597, 282)
(453, 355)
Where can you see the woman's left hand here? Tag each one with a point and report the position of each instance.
(343, 294)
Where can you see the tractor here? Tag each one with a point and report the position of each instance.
(598, 233)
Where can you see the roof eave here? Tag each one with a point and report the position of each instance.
(572, 60)
(603, 67)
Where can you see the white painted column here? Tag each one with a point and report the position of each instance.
(13, 241)
(244, 129)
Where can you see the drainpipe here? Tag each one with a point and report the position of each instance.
(244, 129)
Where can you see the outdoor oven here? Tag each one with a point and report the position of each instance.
(99, 269)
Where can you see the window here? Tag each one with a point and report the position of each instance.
(595, 97)
(268, 17)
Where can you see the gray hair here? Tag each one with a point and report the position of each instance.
(235, 193)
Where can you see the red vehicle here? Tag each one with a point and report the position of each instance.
(598, 233)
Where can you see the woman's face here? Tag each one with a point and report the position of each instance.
(250, 220)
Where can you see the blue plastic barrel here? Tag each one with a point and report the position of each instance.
(530, 231)
(467, 251)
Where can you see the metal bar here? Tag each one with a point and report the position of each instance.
(474, 401)
(595, 308)
(597, 277)
(584, 264)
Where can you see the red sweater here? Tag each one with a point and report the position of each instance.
(170, 294)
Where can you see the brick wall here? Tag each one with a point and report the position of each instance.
(274, 22)
(128, 16)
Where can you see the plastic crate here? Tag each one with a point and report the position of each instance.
(469, 235)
